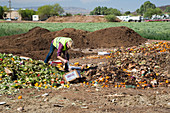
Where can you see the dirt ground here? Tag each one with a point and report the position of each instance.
(78, 97)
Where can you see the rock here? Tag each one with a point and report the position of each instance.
(58, 105)
(20, 109)
(2, 103)
(45, 94)
(84, 107)
(46, 99)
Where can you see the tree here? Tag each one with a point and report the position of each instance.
(45, 10)
(110, 18)
(96, 11)
(6, 9)
(150, 12)
(50, 10)
(167, 10)
(127, 12)
(105, 11)
(1, 12)
(147, 5)
(137, 11)
(26, 14)
(111, 11)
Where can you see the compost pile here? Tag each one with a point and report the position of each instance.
(144, 66)
(36, 42)
(79, 18)
(115, 83)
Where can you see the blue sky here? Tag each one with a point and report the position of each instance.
(122, 5)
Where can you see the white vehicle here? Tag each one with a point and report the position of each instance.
(130, 18)
(35, 17)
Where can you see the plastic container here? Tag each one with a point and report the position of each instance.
(55, 63)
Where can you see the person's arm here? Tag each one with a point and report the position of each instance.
(62, 59)
(59, 51)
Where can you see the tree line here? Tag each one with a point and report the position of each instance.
(147, 10)
(45, 11)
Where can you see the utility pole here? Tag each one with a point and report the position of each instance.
(122, 10)
(10, 8)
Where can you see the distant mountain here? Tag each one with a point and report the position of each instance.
(76, 10)
(72, 10)
(34, 8)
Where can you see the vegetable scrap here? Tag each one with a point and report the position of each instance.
(144, 66)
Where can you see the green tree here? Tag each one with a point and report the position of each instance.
(68, 14)
(56, 10)
(111, 11)
(127, 12)
(50, 10)
(26, 14)
(44, 10)
(167, 9)
(147, 5)
(6, 9)
(1, 12)
(110, 18)
(96, 11)
(137, 11)
(105, 11)
(150, 12)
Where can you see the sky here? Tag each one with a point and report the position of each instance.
(122, 5)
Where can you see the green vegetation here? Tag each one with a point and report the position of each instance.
(110, 18)
(148, 9)
(143, 8)
(105, 11)
(150, 12)
(1, 12)
(167, 9)
(150, 30)
(50, 10)
(26, 14)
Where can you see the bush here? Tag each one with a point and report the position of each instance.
(110, 18)
(68, 14)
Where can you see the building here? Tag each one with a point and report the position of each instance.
(13, 15)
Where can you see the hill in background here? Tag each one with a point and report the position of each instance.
(76, 10)
(72, 10)
(164, 7)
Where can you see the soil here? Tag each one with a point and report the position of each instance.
(88, 100)
(79, 98)
(36, 43)
(79, 18)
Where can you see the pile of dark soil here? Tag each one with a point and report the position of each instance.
(36, 42)
(115, 37)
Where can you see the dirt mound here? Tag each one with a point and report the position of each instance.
(78, 18)
(114, 37)
(78, 36)
(36, 42)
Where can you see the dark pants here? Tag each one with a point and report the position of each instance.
(52, 48)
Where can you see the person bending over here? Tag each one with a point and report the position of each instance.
(62, 44)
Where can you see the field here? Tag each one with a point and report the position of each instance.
(149, 30)
(133, 76)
